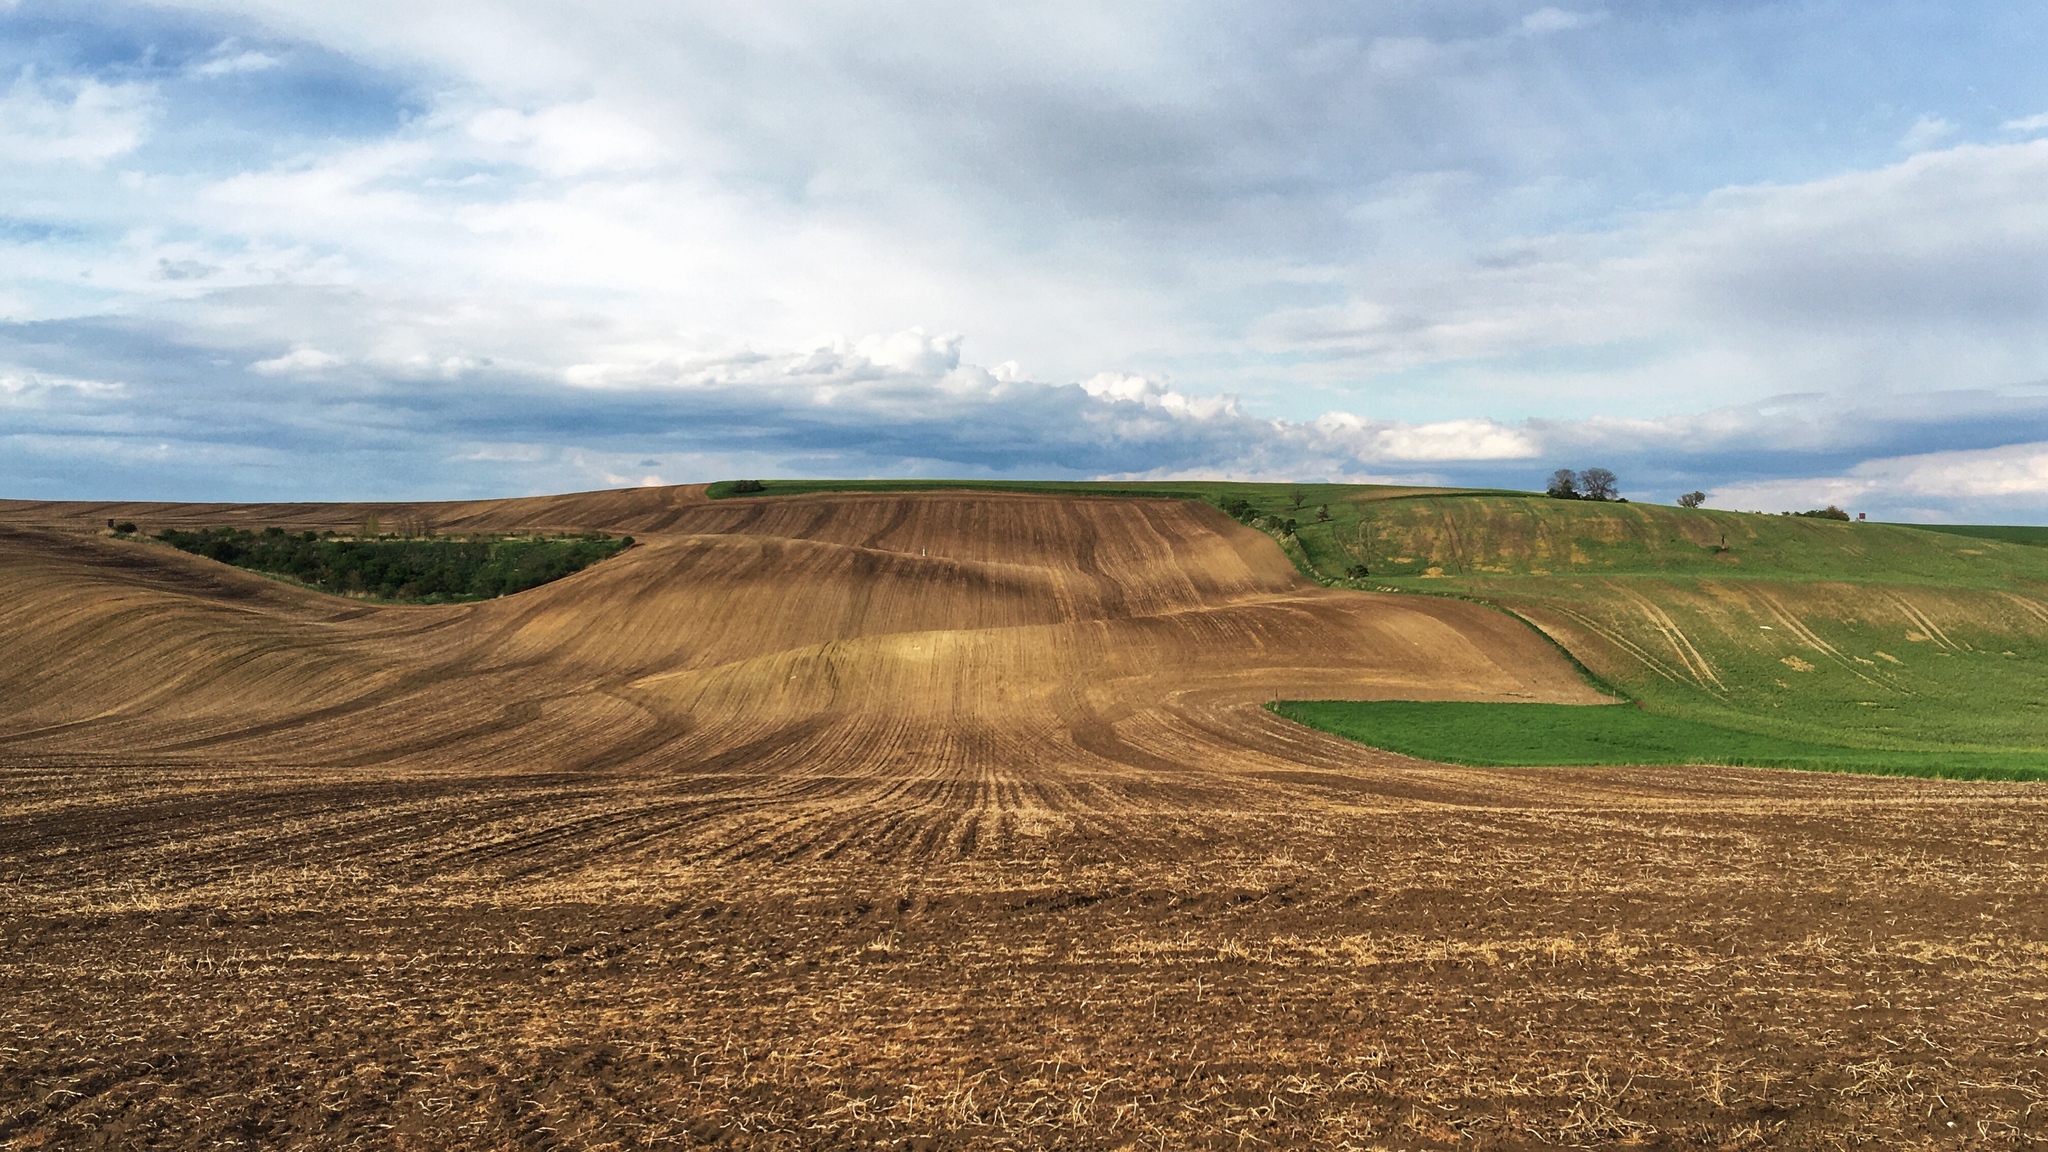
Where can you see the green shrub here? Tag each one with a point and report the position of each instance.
(438, 570)
(1828, 513)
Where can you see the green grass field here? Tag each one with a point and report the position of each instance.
(2009, 533)
(1875, 638)
(1861, 635)
(1537, 735)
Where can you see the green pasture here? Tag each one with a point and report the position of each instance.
(2009, 533)
(1863, 635)
(1534, 735)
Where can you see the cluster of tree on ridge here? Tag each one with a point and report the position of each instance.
(1591, 484)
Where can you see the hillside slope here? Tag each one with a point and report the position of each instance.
(1872, 635)
(849, 633)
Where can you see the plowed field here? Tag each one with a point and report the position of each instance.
(929, 820)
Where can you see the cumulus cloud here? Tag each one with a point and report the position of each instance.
(569, 139)
(1913, 275)
(2013, 470)
(1927, 132)
(1990, 482)
(1365, 241)
(30, 388)
(230, 60)
(76, 119)
(1443, 441)
(1547, 20)
(298, 361)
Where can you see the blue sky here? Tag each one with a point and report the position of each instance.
(1787, 253)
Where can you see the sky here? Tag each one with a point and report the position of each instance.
(1787, 254)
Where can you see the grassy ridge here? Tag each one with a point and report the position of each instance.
(1532, 735)
(1477, 536)
(2009, 533)
(1865, 635)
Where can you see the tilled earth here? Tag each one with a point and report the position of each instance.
(208, 958)
(936, 821)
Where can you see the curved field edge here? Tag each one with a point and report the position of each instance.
(1549, 735)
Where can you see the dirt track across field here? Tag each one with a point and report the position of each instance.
(929, 821)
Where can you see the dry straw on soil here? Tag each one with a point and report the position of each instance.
(930, 820)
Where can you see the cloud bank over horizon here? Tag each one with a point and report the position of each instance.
(252, 249)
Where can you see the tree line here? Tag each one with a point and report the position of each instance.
(431, 570)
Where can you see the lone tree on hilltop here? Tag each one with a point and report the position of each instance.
(1564, 485)
(1598, 484)
(1692, 499)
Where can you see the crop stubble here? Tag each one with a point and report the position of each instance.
(934, 819)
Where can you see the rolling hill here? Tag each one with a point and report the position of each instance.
(1871, 636)
(952, 819)
(863, 625)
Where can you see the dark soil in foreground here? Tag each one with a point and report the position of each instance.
(1735, 958)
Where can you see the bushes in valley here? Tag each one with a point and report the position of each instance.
(1245, 512)
(430, 570)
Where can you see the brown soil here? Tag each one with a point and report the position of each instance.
(929, 821)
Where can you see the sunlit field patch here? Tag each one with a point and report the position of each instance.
(1534, 735)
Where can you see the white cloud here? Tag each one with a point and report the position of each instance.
(1547, 20)
(2016, 470)
(226, 61)
(72, 119)
(2014, 474)
(570, 139)
(673, 199)
(19, 388)
(1442, 441)
(912, 351)
(1919, 275)
(505, 453)
(1927, 132)
(2035, 123)
(298, 362)
(1309, 216)
(1147, 392)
